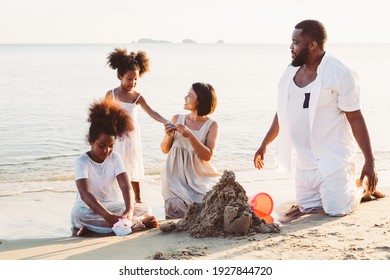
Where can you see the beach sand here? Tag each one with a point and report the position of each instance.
(362, 235)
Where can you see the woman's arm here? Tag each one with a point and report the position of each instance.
(204, 151)
(125, 186)
(167, 141)
(86, 195)
(153, 114)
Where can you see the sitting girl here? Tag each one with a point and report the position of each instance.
(104, 191)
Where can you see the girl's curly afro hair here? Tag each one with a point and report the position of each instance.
(122, 61)
(108, 117)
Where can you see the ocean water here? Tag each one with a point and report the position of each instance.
(45, 91)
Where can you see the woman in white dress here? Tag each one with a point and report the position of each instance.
(104, 191)
(190, 141)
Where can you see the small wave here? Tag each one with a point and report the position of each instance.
(56, 157)
(61, 178)
(36, 191)
(15, 164)
(58, 178)
(152, 171)
(30, 160)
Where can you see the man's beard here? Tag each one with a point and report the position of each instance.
(300, 59)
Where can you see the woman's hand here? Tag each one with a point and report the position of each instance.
(184, 130)
(170, 128)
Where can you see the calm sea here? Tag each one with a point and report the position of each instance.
(45, 91)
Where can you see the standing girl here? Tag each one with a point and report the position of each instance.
(190, 139)
(104, 191)
(129, 68)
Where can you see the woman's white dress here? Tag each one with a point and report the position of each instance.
(186, 178)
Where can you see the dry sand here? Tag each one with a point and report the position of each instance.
(363, 235)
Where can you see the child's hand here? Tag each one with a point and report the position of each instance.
(113, 218)
(127, 214)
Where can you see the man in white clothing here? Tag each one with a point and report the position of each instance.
(318, 117)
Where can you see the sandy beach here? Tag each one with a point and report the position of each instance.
(362, 235)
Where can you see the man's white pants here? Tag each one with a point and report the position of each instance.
(337, 194)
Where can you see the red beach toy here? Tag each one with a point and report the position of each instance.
(262, 204)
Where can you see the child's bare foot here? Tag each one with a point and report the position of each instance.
(83, 231)
(74, 232)
(150, 222)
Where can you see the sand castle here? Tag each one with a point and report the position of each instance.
(224, 211)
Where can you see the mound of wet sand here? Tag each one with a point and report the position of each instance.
(224, 211)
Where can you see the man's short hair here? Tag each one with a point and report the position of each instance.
(315, 30)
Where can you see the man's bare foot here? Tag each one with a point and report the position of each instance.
(290, 215)
(371, 196)
(294, 213)
(378, 194)
(150, 222)
(366, 196)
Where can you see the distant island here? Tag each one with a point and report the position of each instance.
(184, 41)
(188, 41)
(146, 40)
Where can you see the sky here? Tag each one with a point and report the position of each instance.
(204, 21)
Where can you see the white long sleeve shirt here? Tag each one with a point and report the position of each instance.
(335, 91)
